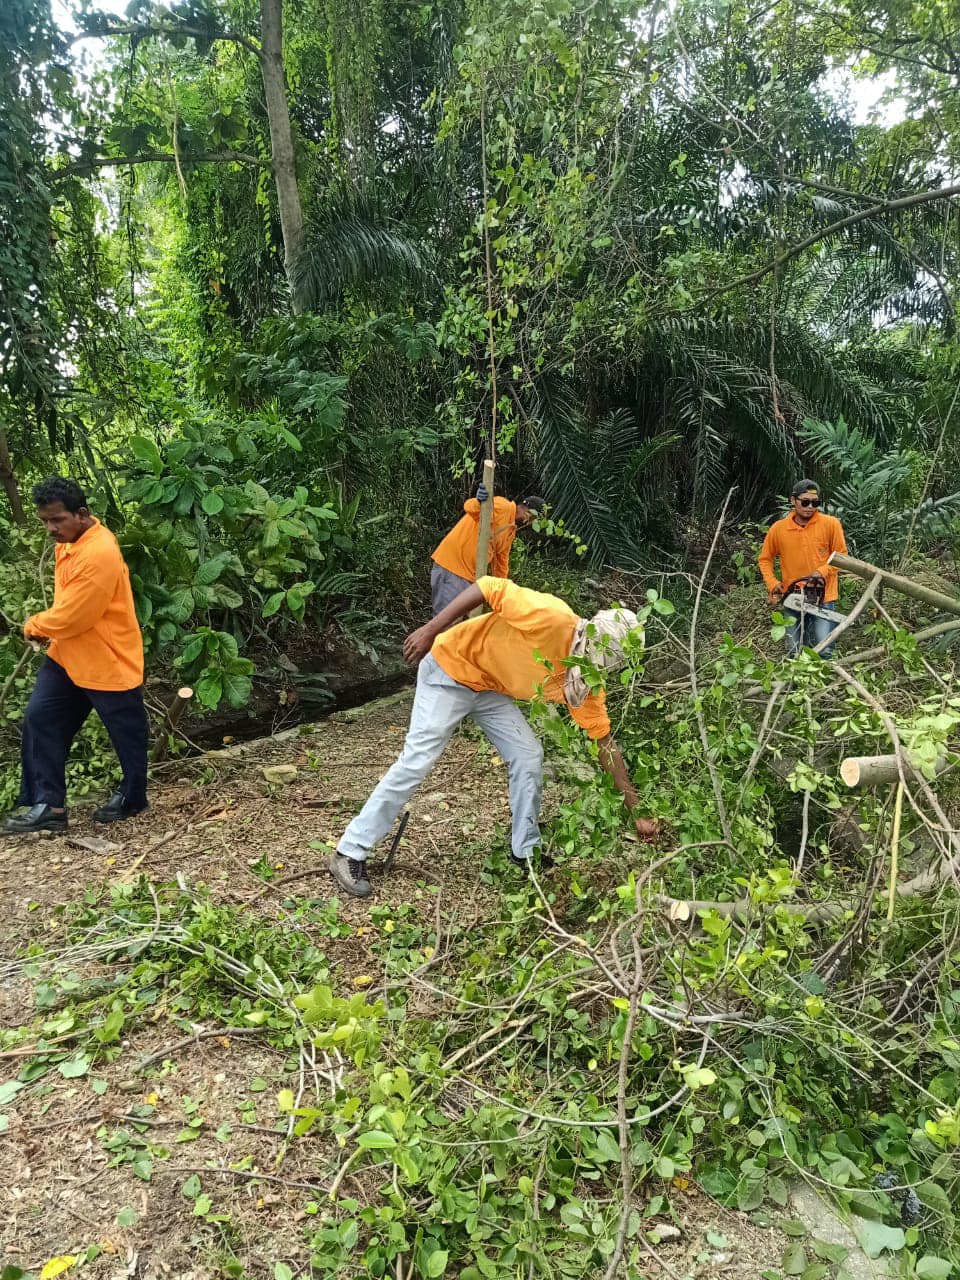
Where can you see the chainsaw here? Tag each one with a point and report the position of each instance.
(805, 596)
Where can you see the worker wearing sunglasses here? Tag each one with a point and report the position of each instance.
(803, 542)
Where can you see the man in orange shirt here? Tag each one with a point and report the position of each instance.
(94, 662)
(455, 559)
(479, 669)
(803, 542)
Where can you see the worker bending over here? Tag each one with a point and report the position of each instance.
(803, 543)
(455, 560)
(478, 669)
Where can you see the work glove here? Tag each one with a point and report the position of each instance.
(482, 493)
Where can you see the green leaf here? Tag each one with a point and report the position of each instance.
(273, 603)
(143, 1168)
(209, 689)
(237, 689)
(127, 1217)
(201, 1206)
(146, 451)
(9, 1090)
(794, 1259)
(608, 1149)
(376, 1140)
(75, 1067)
(212, 503)
(815, 1271)
(791, 1227)
(191, 1188)
(877, 1238)
(930, 1267)
(281, 1271)
(835, 1253)
(437, 1263)
(112, 1024)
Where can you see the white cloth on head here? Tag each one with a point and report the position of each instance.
(600, 640)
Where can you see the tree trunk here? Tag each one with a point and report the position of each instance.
(874, 771)
(906, 586)
(9, 480)
(281, 140)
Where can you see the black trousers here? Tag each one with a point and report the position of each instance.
(55, 714)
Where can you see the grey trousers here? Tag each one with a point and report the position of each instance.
(445, 587)
(439, 705)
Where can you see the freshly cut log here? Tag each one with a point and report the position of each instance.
(896, 582)
(875, 771)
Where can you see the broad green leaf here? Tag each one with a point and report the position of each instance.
(74, 1067)
(794, 1259)
(877, 1238)
(376, 1139)
(437, 1263)
(608, 1149)
(930, 1267)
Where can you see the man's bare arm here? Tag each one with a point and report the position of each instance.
(611, 759)
(419, 643)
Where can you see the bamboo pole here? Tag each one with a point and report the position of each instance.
(174, 711)
(875, 771)
(486, 523)
(895, 582)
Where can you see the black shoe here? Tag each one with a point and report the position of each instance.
(350, 874)
(117, 810)
(540, 862)
(39, 817)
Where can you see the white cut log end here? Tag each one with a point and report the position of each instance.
(850, 771)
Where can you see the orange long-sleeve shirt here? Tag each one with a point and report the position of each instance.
(499, 650)
(92, 626)
(802, 549)
(458, 551)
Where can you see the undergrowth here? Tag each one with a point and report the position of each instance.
(530, 1093)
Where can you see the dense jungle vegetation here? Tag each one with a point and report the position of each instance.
(274, 279)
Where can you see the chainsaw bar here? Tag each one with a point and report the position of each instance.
(797, 604)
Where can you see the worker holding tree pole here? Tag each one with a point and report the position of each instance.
(455, 559)
(529, 642)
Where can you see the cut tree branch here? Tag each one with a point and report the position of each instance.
(882, 206)
(896, 582)
(143, 30)
(158, 157)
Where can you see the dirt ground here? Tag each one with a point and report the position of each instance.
(62, 1191)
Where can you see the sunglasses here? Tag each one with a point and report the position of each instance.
(809, 502)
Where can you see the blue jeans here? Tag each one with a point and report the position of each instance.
(811, 631)
(53, 718)
(439, 705)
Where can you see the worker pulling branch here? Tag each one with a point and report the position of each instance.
(480, 668)
(455, 559)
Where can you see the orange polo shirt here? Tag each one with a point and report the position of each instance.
(802, 549)
(92, 626)
(458, 551)
(503, 650)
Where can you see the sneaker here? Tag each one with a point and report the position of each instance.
(350, 874)
(118, 810)
(540, 862)
(39, 817)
